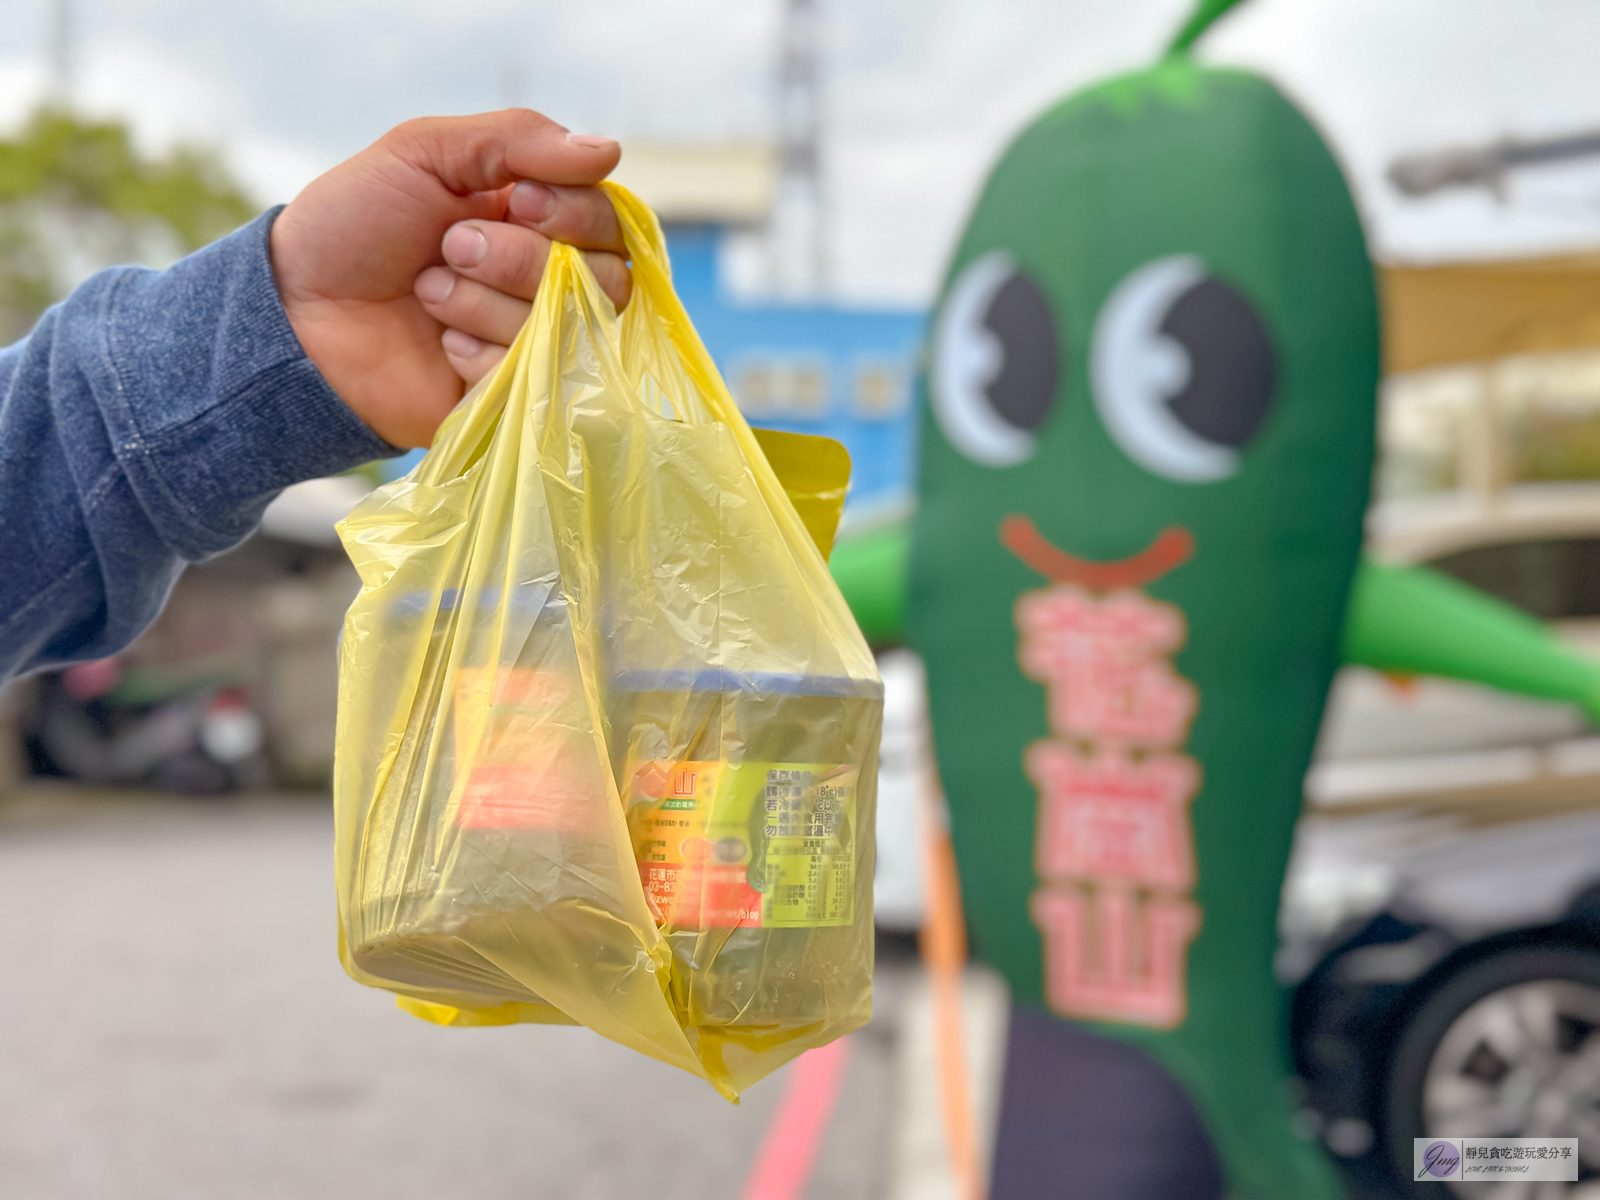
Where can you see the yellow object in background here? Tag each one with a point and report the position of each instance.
(597, 648)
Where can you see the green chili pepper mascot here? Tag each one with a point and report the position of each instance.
(1152, 383)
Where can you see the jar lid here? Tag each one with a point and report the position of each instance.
(723, 680)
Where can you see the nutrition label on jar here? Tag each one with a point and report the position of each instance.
(808, 814)
(765, 845)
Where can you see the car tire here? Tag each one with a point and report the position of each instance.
(1443, 1053)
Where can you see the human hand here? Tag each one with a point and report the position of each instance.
(484, 294)
(350, 248)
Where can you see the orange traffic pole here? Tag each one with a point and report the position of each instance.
(943, 943)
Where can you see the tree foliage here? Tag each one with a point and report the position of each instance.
(77, 195)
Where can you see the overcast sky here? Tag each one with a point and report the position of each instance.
(922, 94)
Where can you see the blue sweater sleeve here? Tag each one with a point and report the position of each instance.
(146, 422)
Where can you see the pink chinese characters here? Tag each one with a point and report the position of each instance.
(1114, 851)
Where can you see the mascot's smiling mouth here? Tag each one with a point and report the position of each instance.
(1172, 547)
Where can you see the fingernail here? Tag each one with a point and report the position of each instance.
(465, 246)
(462, 345)
(532, 201)
(589, 140)
(434, 285)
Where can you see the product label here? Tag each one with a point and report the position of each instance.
(766, 845)
(525, 757)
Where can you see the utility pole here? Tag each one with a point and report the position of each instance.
(799, 260)
(513, 80)
(61, 52)
(1486, 165)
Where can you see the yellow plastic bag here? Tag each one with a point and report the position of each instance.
(607, 745)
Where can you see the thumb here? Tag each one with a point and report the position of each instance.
(491, 150)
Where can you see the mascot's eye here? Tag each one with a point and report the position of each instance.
(1183, 370)
(995, 362)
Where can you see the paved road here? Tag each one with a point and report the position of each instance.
(174, 1024)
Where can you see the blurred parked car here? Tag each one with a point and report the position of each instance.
(1441, 919)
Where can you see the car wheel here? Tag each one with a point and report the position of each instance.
(1508, 1047)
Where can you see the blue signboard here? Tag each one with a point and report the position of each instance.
(844, 373)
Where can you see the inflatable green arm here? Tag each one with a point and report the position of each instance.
(873, 571)
(1405, 619)
(1415, 620)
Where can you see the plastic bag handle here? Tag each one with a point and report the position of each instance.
(641, 233)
